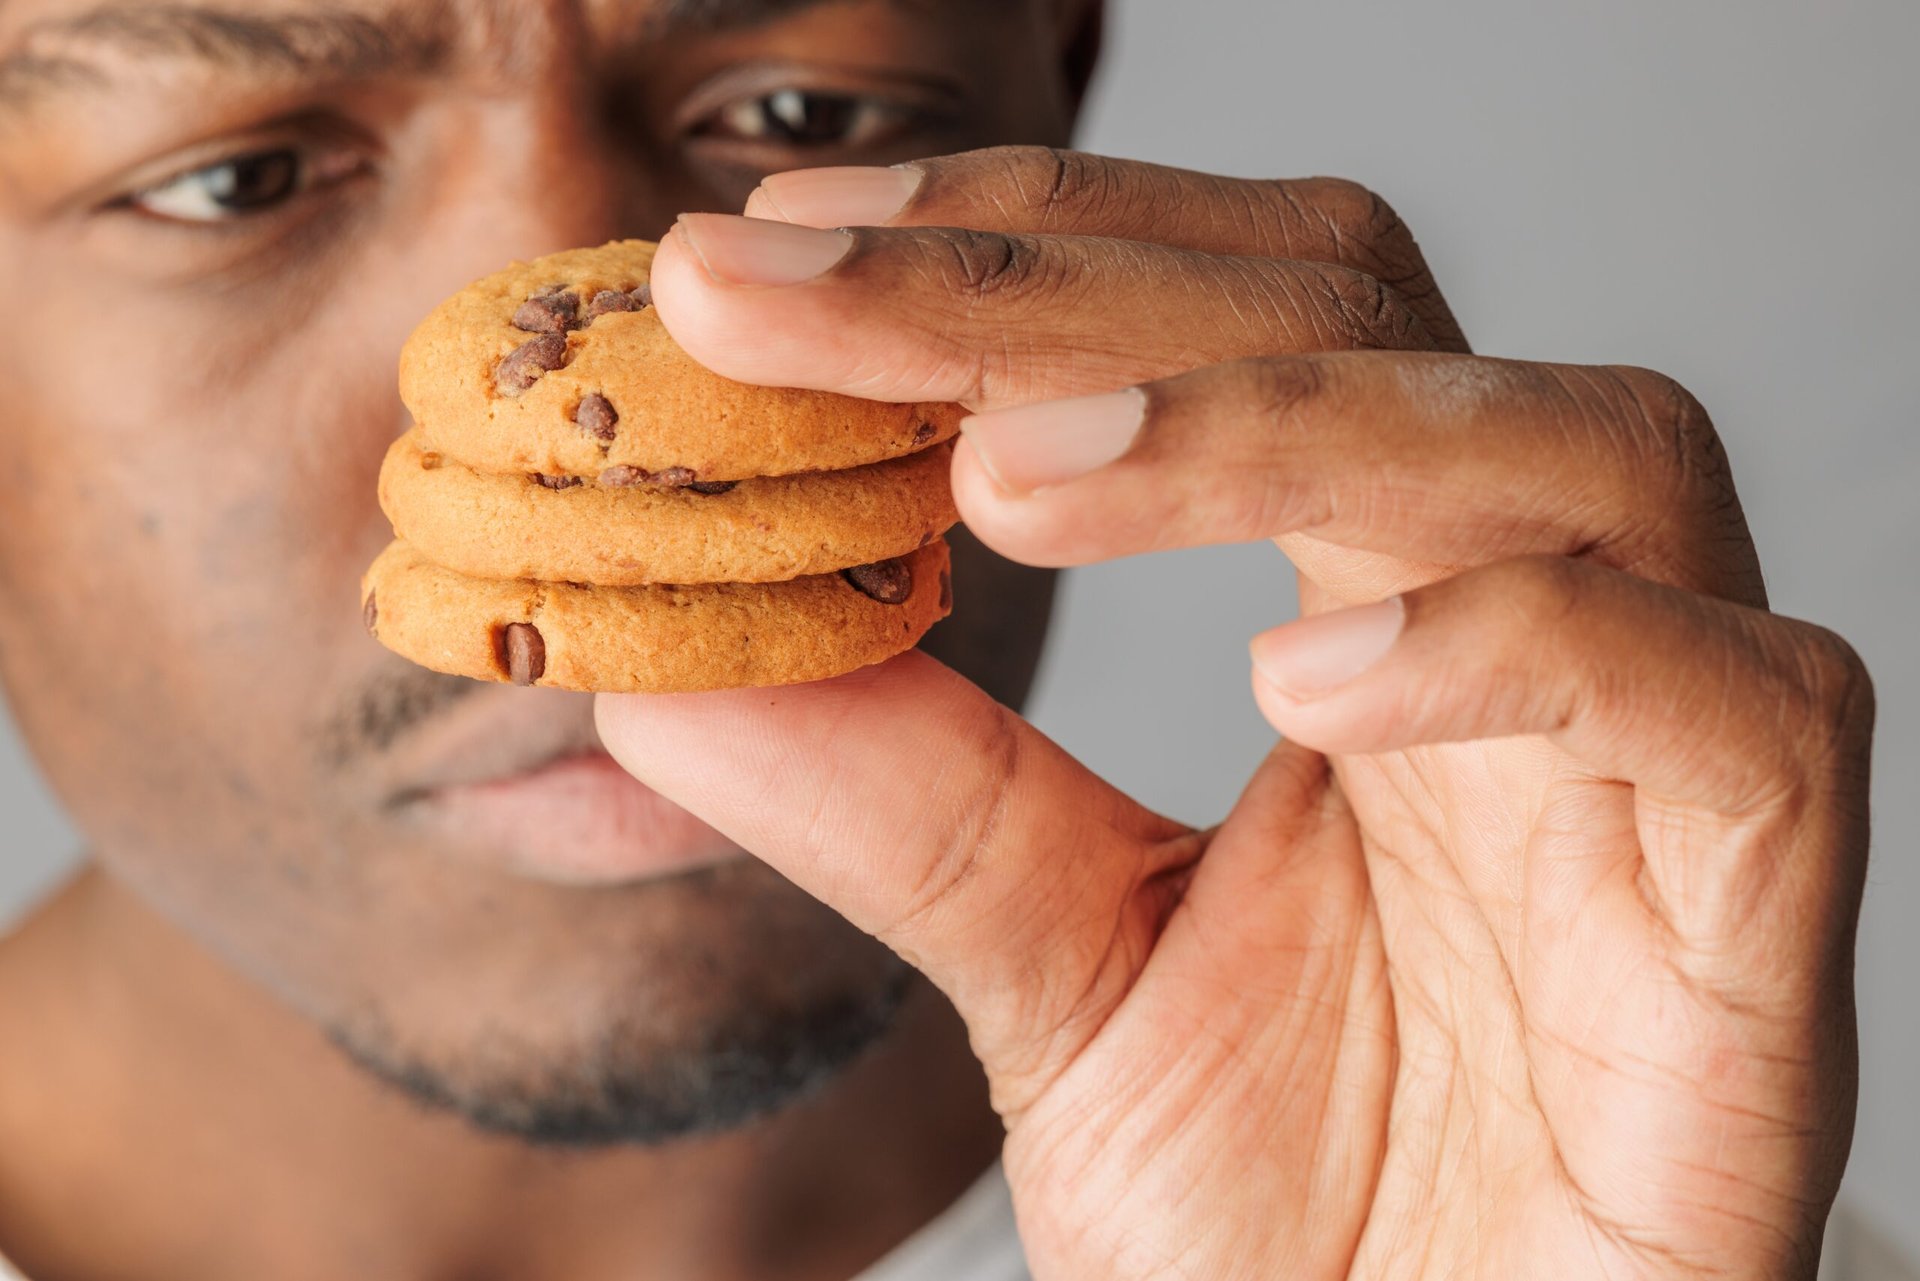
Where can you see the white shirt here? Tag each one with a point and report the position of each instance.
(972, 1240)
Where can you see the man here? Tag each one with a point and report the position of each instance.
(1543, 971)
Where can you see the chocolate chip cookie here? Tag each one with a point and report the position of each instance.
(592, 529)
(561, 367)
(653, 639)
(580, 505)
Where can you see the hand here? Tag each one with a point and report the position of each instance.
(1528, 955)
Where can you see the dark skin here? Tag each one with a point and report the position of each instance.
(1526, 954)
(198, 476)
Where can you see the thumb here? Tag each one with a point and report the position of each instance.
(1026, 888)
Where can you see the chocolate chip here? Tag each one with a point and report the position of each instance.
(557, 482)
(923, 433)
(946, 590)
(626, 476)
(549, 313)
(622, 476)
(888, 581)
(524, 364)
(642, 295)
(711, 486)
(370, 614)
(609, 300)
(596, 416)
(521, 652)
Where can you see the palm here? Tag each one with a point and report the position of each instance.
(1454, 938)
(1555, 1038)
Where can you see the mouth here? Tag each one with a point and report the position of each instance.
(553, 808)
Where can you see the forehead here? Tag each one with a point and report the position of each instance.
(47, 44)
(25, 22)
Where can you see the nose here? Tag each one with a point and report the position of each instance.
(509, 159)
(527, 177)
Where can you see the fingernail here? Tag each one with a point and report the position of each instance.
(845, 196)
(750, 251)
(1326, 651)
(1032, 446)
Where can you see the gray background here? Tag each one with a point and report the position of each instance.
(1728, 190)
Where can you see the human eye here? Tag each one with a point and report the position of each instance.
(239, 205)
(808, 118)
(246, 183)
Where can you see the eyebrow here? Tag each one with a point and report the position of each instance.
(64, 54)
(702, 14)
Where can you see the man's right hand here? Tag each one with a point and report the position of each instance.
(1527, 956)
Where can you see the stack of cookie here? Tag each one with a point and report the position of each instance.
(581, 505)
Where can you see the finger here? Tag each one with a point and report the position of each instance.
(1447, 460)
(986, 318)
(939, 821)
(1729, 721)
(1052, 192)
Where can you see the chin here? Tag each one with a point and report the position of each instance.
(673, 1006)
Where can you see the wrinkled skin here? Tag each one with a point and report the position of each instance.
(1527, 955)
(1563, 882)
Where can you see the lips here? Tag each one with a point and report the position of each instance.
(516, 780)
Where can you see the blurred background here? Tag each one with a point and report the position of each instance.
(1726, 190)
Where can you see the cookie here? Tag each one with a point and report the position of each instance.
(653, 639)
(573, 529)
(561, 366)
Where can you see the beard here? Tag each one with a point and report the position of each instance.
(751, 1031)
(582, 1016)
(617, 1089)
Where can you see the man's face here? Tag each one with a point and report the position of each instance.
(218, 225)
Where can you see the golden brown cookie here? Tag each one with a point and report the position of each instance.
(653, 639)
(561, 366)
(565, 529)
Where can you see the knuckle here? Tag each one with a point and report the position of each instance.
(1683, 483)
(1369, 232)
(1367, 312)
(1345, 207)
(1237, 422)
(982, 265)
(1836, 684)
(1818, 701)
(1054, 185)
(1277, 389)
(1070, 179)
(1673, 420)
(949, 873)
(1542, 592)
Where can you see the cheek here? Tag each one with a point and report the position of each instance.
(187, 524)
(215, 501)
